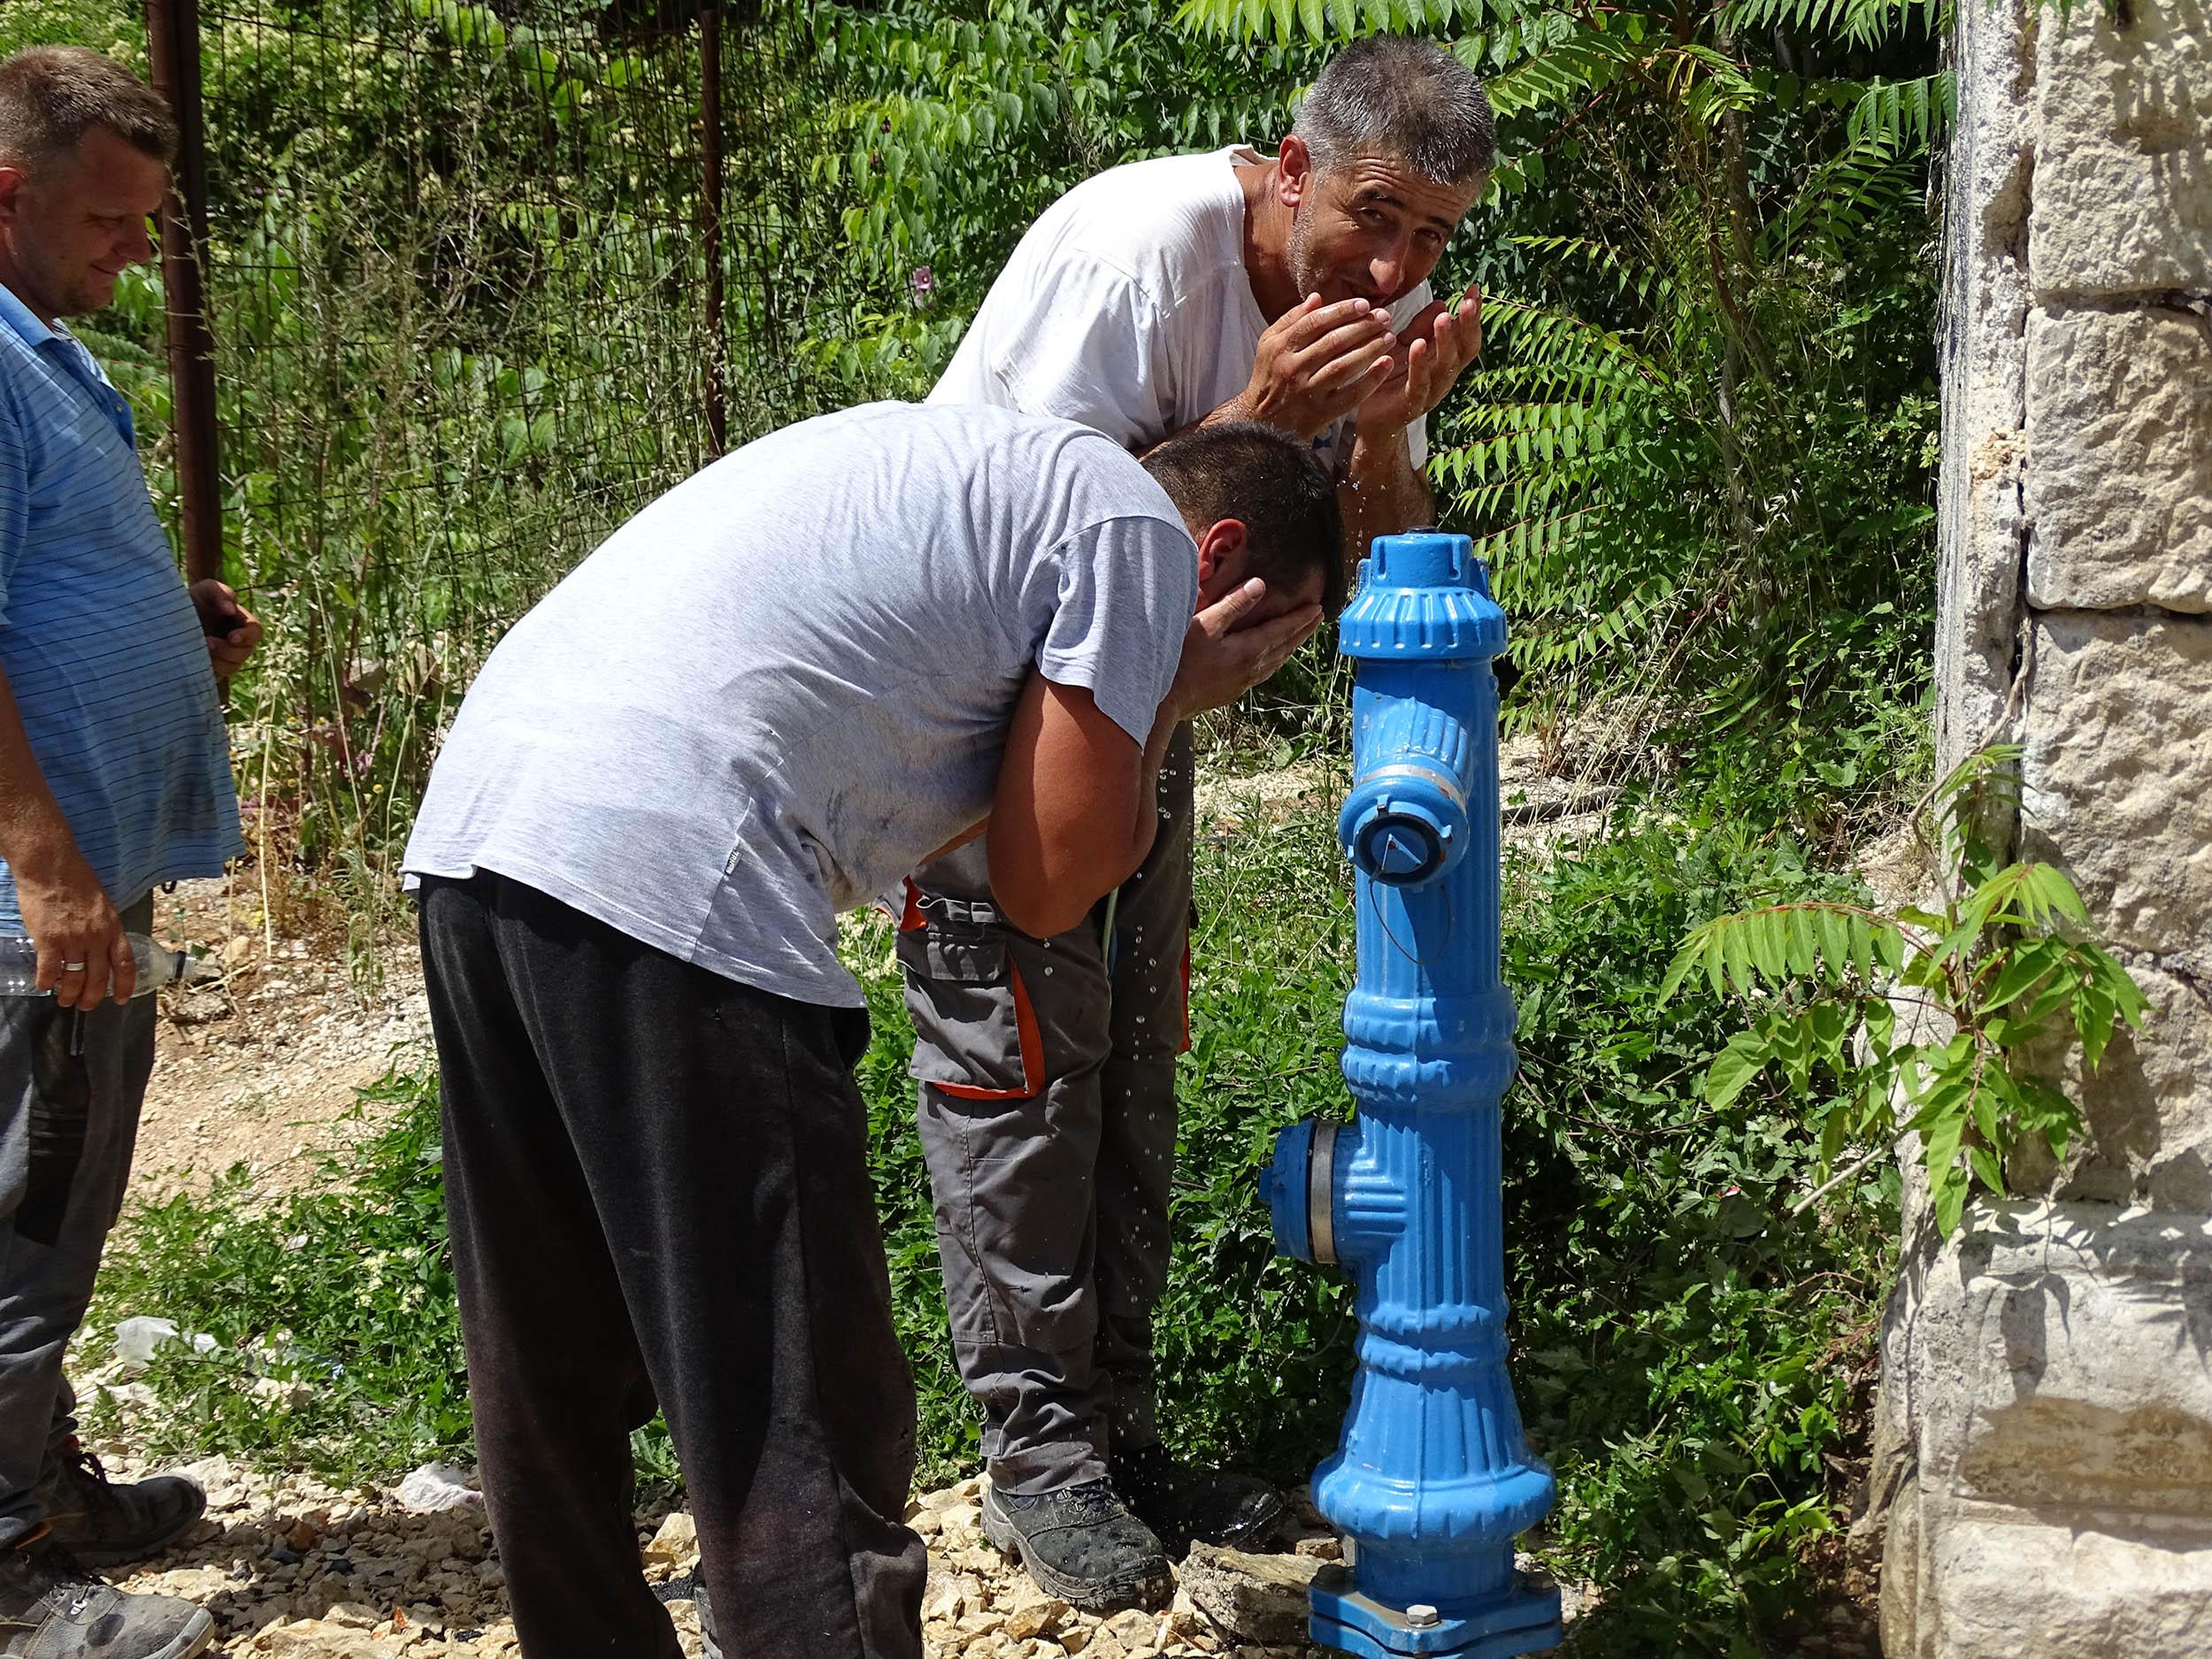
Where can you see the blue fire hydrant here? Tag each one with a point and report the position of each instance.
(1432, 1478)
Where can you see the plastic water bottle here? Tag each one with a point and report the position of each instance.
(157, 965)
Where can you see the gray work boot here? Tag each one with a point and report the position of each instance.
(52, 1608)
(103, 1523)
(1080, 1544)
(1183, 1504)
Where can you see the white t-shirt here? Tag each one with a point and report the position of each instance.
(1127, 306)
(781, 685)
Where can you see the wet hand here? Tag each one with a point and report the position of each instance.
(1231, 648)
(1315, 365)
(1438, 344)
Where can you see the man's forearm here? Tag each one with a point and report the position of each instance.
(34, 838)
(1383, 493)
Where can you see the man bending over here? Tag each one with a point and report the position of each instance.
(778, 688)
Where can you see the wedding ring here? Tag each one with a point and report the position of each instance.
(72, 967)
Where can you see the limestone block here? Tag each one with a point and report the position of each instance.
(2116, 775)
(2055, 1362)
(2034, 1590)
(2119, 474)
(2148, 1106)
(2122, 198)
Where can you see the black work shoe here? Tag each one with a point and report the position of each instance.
(52, 1608)
(1185, 1505)
(103, 1523)
(1079, 1544)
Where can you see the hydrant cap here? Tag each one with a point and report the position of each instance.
(1422, 594)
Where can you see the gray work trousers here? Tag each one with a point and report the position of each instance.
(69, 1105)
(1046, 1081)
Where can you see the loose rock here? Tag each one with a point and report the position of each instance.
(1258, 1598)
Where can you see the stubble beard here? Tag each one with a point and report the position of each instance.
(1305, 270)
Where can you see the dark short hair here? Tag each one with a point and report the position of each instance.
(1390, 95)
(51, 97)
(1274, 487)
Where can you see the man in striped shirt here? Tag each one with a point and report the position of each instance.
(114, 776)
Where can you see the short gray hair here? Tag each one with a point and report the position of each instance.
(1408, 99)
(51, 97)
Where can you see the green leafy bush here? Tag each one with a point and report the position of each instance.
(1984, 983)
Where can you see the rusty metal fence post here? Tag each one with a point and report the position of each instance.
(173, 36)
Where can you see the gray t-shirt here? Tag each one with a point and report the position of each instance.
(781, 685)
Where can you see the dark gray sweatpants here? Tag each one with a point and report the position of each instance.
(68, 1124)
(657, 1181)
(1047, 1084)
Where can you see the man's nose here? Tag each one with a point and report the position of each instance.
(1387, 271)
(137, 244)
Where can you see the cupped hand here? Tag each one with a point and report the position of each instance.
(1231, 647)
(1315, 363)
(1438, 345)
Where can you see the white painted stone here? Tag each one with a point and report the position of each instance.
(2122, 199)
(2116, 776)
(2150, 1117)
(2119, 458)
(2053, 1363)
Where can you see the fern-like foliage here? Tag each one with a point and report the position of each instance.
(1989, 984)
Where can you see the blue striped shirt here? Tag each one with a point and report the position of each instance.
(98, 636)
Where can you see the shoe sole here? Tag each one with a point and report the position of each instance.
(1085, 1596)
(192, 1638)
(137, 1552)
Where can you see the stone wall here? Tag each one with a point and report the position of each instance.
(2043, 1477)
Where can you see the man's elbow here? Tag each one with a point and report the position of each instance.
(1038, 914)
(1042, 897)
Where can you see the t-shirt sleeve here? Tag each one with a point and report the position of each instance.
(1127, 589)
(1080, 346)
(15, 497)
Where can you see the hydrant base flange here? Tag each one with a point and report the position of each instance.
(1523, 1620)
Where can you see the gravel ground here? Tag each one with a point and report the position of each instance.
(290, 1568)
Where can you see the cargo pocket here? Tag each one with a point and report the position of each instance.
(976, 1036)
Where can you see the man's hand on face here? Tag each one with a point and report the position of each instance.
(81, 946)
(1226, 652)
(231, 631)
(1437, 346)
(1315, 363)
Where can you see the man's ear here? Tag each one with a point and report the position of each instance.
(1224, 553)
(1293, 171)
(12, 186)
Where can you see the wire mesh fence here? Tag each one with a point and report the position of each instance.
(479, 291)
